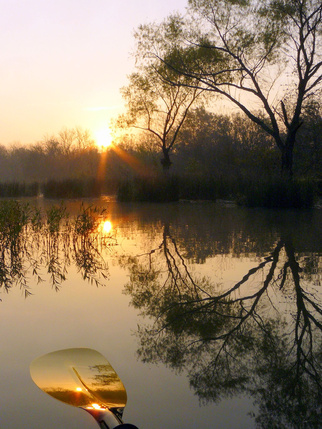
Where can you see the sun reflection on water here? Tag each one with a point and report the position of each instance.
(105, 227)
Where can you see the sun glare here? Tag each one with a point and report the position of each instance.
(103, 138)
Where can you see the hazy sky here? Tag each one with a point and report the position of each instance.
(63, 62)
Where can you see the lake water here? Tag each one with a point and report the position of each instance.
(210, 314)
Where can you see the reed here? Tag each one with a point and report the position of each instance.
(266, 193)
(279, 194)
(149, 189)
(16, 189)
(71, 188)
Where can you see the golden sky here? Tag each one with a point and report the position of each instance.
(63, 62)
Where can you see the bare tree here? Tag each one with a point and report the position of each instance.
(157, 106)
(261, 57)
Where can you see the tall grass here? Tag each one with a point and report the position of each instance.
(149, 189)
(278, 193)
(269, 193)
(72, 188)
(211, 187)
(16, 189)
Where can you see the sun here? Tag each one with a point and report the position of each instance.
(103, 138)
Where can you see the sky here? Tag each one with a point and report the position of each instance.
(63, 62)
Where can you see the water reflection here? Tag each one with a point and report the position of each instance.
(43, 246)
(260, 337)
(105, 227)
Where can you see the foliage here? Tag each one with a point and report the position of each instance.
(153, 104)
(216, 145)
(308, 151)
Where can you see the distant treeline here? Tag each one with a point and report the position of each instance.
(214, 156)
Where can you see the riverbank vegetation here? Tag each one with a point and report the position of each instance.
(42, 244)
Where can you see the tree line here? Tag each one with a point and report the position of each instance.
(209, 144)
(215, 146)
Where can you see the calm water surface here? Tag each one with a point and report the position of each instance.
(210, 314)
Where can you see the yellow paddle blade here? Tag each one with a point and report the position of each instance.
(80, 377)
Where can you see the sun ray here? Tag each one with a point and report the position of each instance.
(133, 162)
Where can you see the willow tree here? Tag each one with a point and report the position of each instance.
(269, 59)
(158, 100)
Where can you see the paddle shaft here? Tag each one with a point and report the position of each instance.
(105, 418)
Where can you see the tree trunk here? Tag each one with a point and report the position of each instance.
(165, 161)
(287, 162)
(287, 152)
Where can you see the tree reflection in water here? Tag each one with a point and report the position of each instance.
(260, 337)
(35, 245)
